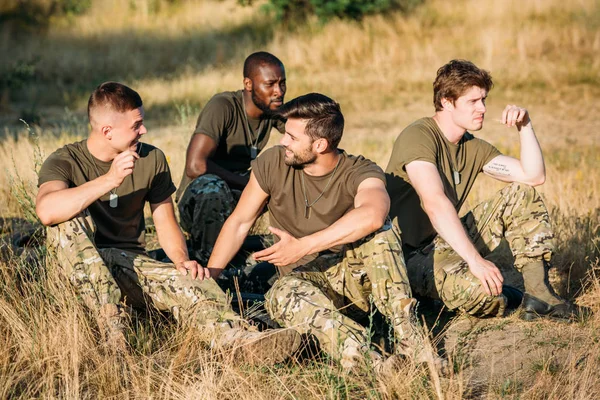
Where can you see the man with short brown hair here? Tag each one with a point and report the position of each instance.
(337, 251)
(433, 166)
(92, 195)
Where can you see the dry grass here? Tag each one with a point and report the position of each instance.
(542, 54)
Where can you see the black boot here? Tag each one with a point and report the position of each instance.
(534, 308)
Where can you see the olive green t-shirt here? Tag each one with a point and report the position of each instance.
(121, 227)
(224, 120)
(286, 204)
(423, 140)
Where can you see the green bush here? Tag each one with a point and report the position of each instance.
(290, 11)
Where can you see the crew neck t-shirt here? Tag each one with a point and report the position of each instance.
(122, 227)
(423, 140)
(224, 120)
(287, 196)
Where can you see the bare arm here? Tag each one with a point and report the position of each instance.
(198, 162)
(530, 169)
(237, 226)
(371, 207)
(426, 180)
(172, 241)
(56, 202)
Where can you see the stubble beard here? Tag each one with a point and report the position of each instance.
(300, 161)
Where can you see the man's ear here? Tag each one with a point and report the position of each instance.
(321, 145)
(107, 131)
(248, 84)
(447, 104)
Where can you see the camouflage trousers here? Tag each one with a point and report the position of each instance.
(516, 214)
(315, 298)
(109, 276)
(204, 207)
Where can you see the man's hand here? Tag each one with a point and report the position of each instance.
(515, 116)
(122, 166)
(489, 275)
(192, 267)
(285, 252)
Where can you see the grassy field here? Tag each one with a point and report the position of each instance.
(542, 54)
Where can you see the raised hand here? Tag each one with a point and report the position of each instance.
(285, 252)
(515, 116)
(122, 166)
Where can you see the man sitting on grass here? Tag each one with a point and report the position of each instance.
(232, 130)
(92, 195)
(433, 166)
(337, 250)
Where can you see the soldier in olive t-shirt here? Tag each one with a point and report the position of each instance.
(119, 227)
(337, 251)
(423, 140)
(231, 131)
(91, 197)
(433, 166)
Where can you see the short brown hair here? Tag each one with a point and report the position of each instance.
(115, 95)
(455, 78)
(325, 119)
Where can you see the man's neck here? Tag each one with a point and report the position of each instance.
(99, 149)
(251, 110)
(324, 164)
(451, 131)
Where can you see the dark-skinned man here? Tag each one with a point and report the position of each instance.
(433, 166)
(92, 195)
(336, 247)
(231, 131)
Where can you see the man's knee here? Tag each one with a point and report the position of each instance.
(286, 296)
(520, 191)
(207, 184)
(475, 301)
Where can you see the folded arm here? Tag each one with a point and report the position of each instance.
(56, 202)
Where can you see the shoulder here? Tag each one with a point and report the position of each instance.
(422, 130)
(151, 154)
(359, 166)
(60, 164)
(224, 100)
(66, 154)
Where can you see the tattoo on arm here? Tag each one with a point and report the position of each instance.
(499, 169)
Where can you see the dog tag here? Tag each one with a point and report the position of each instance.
(253, 152)
(456, 177)
(307, 212)
(113, 200)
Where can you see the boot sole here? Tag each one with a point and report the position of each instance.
(271, 348)
(533, 316)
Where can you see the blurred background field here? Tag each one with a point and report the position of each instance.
(543, 54)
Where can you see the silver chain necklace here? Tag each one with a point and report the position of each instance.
(307, 206)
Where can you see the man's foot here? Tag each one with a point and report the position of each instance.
(111, 321)
(513, 296)
(534, 308)
(269, 347)
(414, 343)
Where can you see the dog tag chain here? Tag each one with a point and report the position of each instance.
(307, 205)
